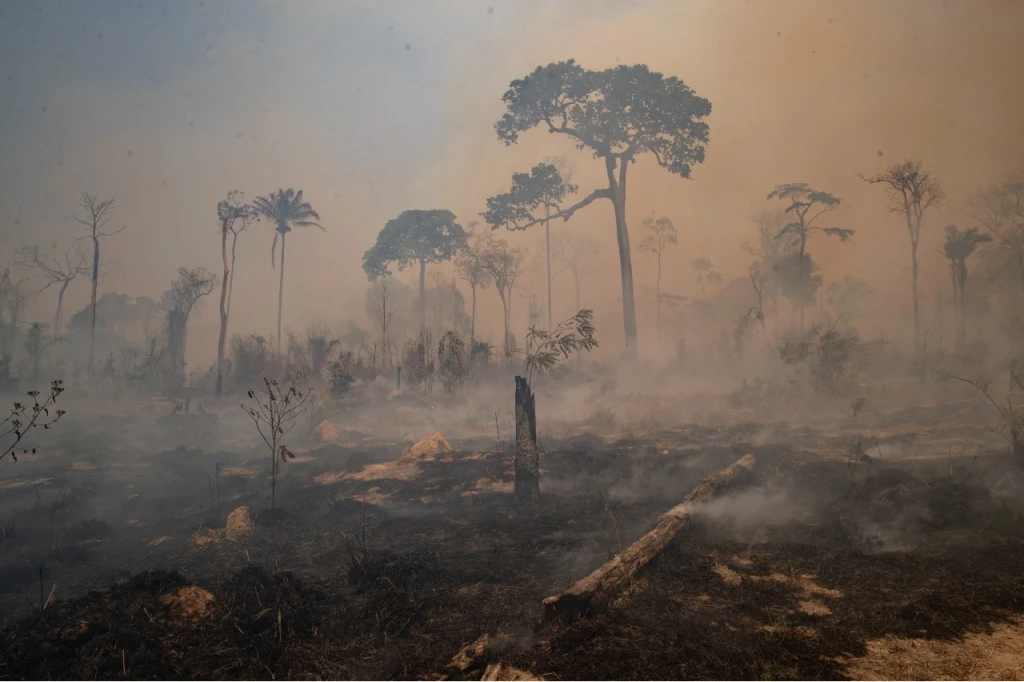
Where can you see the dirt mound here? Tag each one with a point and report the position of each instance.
(240, 524)
(428, 448)
(187, 606)
(326, 432)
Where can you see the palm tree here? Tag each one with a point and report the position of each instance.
(959, 246)
(286, 209)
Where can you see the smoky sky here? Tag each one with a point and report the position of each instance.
(376, 107)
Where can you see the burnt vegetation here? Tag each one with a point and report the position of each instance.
(487, 467)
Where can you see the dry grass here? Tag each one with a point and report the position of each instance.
(996, 655)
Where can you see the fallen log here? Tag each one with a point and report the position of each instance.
(596, 590)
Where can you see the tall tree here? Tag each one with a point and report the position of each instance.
(959, 246)
(96, 217)
(286, 209)
(542, 188)
(660, 233)
(619, 114)
(470, 265)
(504, 263)
(234, 216)
(380, 306)
(912, 191)
(54, 271)
(805, 206)
(415, 236)
(1000, 209)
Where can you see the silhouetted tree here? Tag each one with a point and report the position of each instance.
(805, 206)
(659, 235)
(706, 274)
(54, 271)
(504, 263)
(542, 188)
(286, 209)
(618, 114)
(912, 191)
(959, 246)
(415, 237)
(191, 285)
(1000, 209)
(470, 265)
(96, 218)
(234, 215)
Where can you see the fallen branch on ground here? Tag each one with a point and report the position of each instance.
(596, 590)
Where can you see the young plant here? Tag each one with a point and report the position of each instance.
(1010, 407)
(544, 349)
(23, 418)
(274, 415)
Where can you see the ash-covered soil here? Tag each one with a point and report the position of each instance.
(375, 565)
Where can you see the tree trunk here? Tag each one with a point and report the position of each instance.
(917, 303)
(472, 321)
(222, 339)
(423, 296)
(58, 318)
(578, 281)
(596, 590)
(547, 253)
(280, 297)
(527, 457)
(956, 303)
(657, 292)
(618, 192)
(95, 286)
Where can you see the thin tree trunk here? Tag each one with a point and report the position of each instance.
(95, 286)
(58, 318)
(222, 339)
(547, 253)
(657, 292)
(280, 297)
(618, 192)
(956, 303)
(231, 279)
(423, 296)
(472, 321)
(917, 303)
(527, 457)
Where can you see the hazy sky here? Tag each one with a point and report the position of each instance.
(375, 107)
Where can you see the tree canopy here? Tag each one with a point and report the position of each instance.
(618, 113)
(543, 186)
(416, 236)
(286, 209)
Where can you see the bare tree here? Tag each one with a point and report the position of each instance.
(770, 247)
(504, 263)
(54, 271)
(660, 234)
(96, 218)
(234, 215)
(759, 280)
(380, 306)
(472, 268)
(1000, 209)
(912, 191)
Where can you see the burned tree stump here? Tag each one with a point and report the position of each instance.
(527, 457)
(596, 590)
